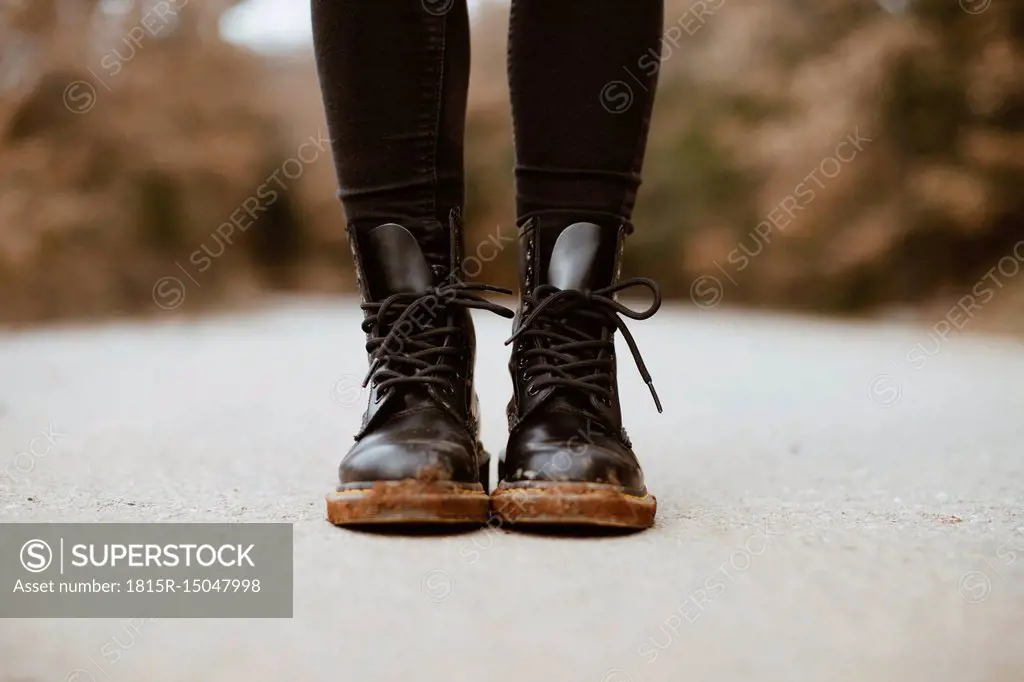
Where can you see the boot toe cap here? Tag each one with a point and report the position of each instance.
(543, 454)
(430, 453)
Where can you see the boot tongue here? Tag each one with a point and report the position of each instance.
(582, 257)
(395, 262)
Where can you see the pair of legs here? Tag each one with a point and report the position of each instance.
(394, 75)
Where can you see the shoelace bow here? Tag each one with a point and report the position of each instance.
(404, 351)
(574, 358)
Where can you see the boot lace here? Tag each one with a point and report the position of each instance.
(562, 349)
(406, 348)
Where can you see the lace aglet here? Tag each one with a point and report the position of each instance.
(654, 394)
(370, 371)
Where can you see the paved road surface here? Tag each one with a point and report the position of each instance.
(830, 509)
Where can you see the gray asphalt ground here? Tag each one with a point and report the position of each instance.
(829, 510)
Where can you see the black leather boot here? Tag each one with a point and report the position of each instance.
(417, 457)
(568, 458)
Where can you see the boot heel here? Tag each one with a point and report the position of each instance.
(484, 472)
(501, 465)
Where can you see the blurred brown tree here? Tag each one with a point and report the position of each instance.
(124, 147)
(130, 132)
(743, 181)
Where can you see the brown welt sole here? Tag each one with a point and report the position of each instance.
(408, 502)
(574, 504)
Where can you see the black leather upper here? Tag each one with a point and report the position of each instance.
(565, 421)
(421, 419)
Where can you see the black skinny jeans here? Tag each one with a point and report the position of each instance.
(395, 75)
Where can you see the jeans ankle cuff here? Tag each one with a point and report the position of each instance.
(559, 218)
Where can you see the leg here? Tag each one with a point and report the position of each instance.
(582, 76)
(394, 77)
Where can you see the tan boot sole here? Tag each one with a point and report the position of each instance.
(411, 502)
(574, 504)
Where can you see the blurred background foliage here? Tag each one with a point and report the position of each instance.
(122, 151)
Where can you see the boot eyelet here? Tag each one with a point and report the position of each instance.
(532, 390)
